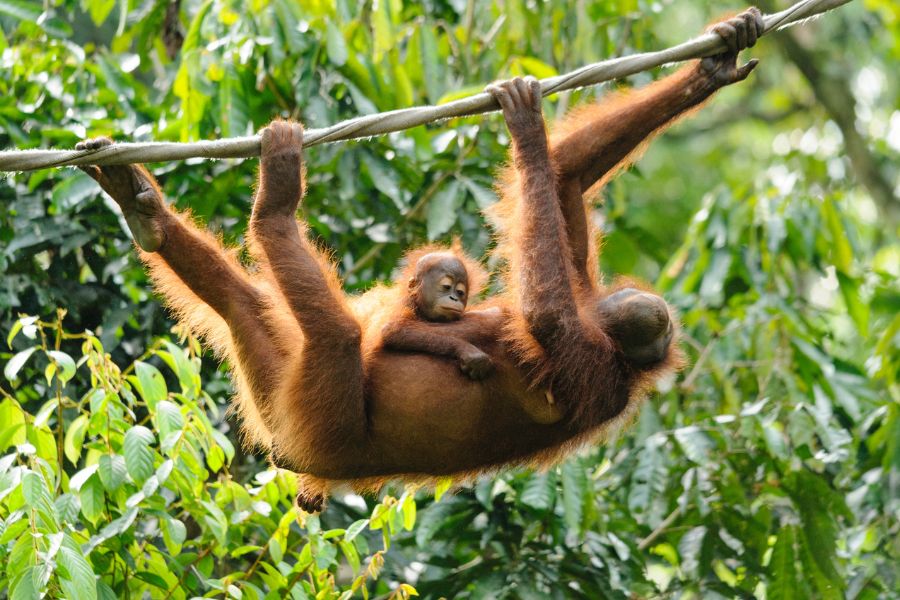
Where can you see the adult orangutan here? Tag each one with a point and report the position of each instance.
(318, 389)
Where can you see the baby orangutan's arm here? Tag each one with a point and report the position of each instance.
(410, 336)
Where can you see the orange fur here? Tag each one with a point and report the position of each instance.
(317, 389)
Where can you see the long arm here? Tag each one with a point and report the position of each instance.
(577, 361)
(304, 279)
(329, 379)
(409, 337)
(592, 142)
(412, 336)
(541, 264)
(202, 282)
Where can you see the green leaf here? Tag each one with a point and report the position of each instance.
(12, 424)
(22, 555)
(224, 443)
(112, 471)
(215, 458)
(233, 113)
(14, 530)
(32, 488)
(75, 574)
(858, 309)
(168, 418)
(150, 383)
(437, 516)
(574, 486)
(275, 550)
(532, 66)
(186, 369)
(69, 192)
(99, 10)
(441, 213)
(138, 453)
(104, 592)
(23, 587)
(484, 197)
(153, 579)
(74, 440)
(55, 26)
(11, 370)
(841, 252)
(174, 533)
(539, 491)
(24, 324)
(816, 502)
(460, 93)
(441, 487)
(192, 37)
(324, 558)
(690, 548)
(91, 496)
(350, 553)
(67, 507)
(431, 62)
(22, 10)
(383, 178)
(408, 509)
(695, 443)
(355, 529)
(335, 45)
(786, 580)
(382, 30)
(65, 365)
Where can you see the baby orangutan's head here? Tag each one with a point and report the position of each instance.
(439, 287)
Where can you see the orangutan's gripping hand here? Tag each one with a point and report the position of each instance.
(281, 163)
(738, 33)
(520, 100)
(136, 193)
(475, 364)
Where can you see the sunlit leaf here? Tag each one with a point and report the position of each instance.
(337, 48)
(150, 383)
(441, 211)
(74, 439)
(11, 370)
(138, 454)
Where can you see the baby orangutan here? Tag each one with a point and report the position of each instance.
(438, 293)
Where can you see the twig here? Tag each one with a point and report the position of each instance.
(647, 541)
(187, 569)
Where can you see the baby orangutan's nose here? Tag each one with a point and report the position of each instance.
(640, 323)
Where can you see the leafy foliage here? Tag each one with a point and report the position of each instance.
(127, 490)
(771, 468)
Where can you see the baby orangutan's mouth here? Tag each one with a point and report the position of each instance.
(449, 312)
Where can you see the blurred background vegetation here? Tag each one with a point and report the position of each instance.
(769, 469)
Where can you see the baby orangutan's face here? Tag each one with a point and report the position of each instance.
(440, 287)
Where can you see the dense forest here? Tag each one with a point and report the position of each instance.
(769, 468)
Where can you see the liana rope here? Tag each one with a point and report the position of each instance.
(397, 120)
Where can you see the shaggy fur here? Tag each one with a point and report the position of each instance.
(314, 385)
